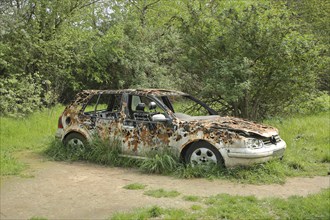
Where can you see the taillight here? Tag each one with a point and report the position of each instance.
(60, 124)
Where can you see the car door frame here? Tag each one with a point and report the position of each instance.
(140, 137)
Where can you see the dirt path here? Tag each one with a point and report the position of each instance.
(75, 191)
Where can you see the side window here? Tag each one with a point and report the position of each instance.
(182, 104)
(143, 108)
(104, 106)
(91, 105)
(135, 101)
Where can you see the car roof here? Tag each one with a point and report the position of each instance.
(156, 92)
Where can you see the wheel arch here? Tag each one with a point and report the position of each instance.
(185, 148)
(86, 136)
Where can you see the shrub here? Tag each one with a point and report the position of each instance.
(22, 95)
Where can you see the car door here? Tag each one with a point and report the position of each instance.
(146, 125)
(104, 110)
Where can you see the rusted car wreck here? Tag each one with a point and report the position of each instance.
(151, 119)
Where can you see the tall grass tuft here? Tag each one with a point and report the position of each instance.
(307, 153)
(165, 160)
(100, 151)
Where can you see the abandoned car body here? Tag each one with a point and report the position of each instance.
(149, 119)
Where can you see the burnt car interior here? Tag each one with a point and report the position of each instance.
(102, 105)
(138, 110)
(143, 108)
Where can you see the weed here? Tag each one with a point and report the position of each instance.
(225, 206)
(191, 198)
(164, 160)
(9, 164)
(307, 153)
(154, 212)
(105, 151)
(158, 193)
(135, 186)
(188, 171)
(325, 158)
(28, 133)
(144, 213)
(196, 207)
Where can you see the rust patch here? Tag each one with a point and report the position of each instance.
(139, 135)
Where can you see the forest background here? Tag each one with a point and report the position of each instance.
(252, 59)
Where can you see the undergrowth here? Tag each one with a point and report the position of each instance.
(28, 133)
(158, 193)
(135, 186)
(224, 206)
(307, 152)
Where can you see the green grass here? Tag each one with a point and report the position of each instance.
(225, 206)
(308, 142)
(158, 193)
(33, 132)
(135, 186)
(191, 198)
(307, 153)
(196, 207)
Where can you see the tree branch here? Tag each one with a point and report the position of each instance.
(152, 3)
(135, 5)
(88, 4)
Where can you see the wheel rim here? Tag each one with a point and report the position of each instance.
(203, 156)
(76, 143)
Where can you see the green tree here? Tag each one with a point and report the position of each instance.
(250, 62)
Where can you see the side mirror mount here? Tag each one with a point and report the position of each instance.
(159, 118)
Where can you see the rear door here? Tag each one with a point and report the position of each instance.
(104, 110)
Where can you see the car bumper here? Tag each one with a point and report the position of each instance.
(59, 134)
(247, 156)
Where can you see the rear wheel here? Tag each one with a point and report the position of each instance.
(203, 153)
(75, 141)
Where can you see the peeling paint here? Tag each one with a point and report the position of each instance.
(140, 136)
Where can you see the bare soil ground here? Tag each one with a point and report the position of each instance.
(60, 190)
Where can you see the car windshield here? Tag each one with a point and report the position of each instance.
(186, 105)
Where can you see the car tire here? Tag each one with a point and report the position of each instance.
(75, 141)
(203, 153)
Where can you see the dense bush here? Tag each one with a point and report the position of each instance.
(246, 58)
(23, 95)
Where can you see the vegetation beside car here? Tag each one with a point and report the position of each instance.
(225, 206)
(307, 154)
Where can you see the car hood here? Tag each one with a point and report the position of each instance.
(232, 123)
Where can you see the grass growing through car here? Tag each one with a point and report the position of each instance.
(225, 206)
(163, 161)
(307, 153)
(135, 186)
(101, 151)
(159, 193)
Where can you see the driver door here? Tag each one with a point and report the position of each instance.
(143, 130)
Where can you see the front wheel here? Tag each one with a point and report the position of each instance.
(203, 153)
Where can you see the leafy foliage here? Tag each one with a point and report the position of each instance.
(248, 58)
